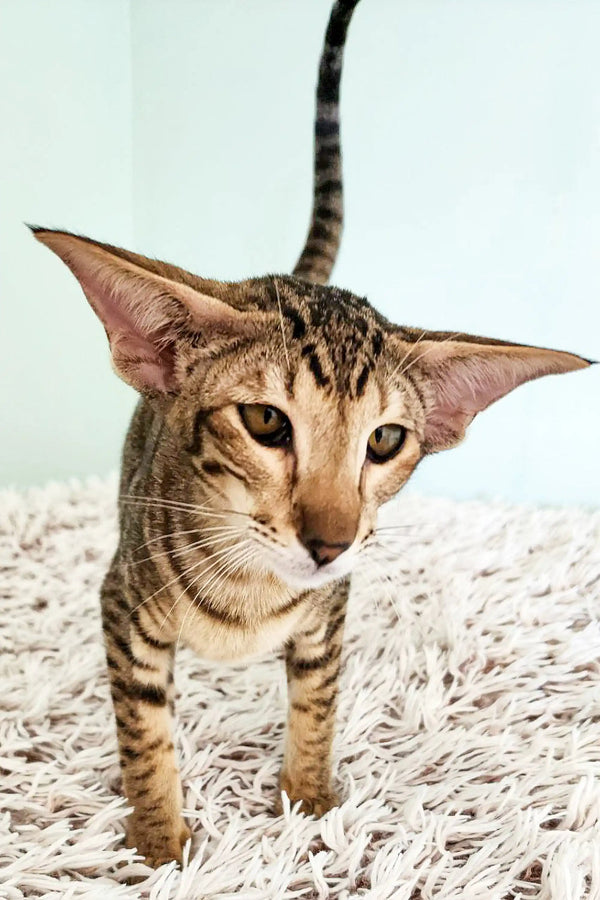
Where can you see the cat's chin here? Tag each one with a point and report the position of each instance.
(311, 582)
(305, 575)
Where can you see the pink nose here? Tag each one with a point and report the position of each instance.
(323, 553)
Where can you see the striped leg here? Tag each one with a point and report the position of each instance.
(313, 666)
(140, 665)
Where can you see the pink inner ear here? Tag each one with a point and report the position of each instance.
(464, 378)
(469, 386)
(139, 360)
(144, 314)
(462, 387)
(137, 352)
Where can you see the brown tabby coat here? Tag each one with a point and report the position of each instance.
(235, 548)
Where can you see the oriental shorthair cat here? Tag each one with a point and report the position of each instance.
(275, 416)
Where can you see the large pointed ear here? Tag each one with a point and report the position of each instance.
(460, 377)
(146, 314)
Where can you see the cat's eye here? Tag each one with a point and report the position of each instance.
(266, 424)
(385, 442)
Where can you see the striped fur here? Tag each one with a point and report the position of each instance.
(322, 244)
(218, 532)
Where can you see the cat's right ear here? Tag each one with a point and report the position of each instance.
(145, 315)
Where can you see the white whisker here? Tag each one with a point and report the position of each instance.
(172, 581)
(205, 529)
(189, 548)
(181, 506)
(408, 352)
(162, 537)
(225, 562)
(218, 557)
(429, 350)
(228, 567)
(281, 323)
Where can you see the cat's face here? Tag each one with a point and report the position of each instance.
(296, 409)
(307, 435)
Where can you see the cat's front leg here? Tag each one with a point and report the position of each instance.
(140, 664)
(313, 666)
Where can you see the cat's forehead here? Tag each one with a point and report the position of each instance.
(315, 306)
(337, 335)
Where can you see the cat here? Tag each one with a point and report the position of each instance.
(276, 415)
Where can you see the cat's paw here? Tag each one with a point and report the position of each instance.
(318, 806)
(313, 802)
(157, 846)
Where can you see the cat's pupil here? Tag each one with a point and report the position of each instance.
(268, 415)
(378, 435)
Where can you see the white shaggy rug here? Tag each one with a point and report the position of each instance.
(468, 749)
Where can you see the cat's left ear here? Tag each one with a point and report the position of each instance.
(459, 378)
(149, 309)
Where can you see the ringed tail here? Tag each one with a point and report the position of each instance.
(322, 244)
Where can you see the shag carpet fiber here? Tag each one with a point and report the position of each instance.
(468, 746)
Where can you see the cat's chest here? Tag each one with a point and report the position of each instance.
(228, 642)
(245, 614)
(247, 617)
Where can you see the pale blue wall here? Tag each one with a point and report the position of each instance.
(65, 161)
(473, 195)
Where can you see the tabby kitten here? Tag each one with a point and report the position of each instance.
(276, 416)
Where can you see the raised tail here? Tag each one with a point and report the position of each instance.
(324, 236)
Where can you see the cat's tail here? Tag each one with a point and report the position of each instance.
(324, 236)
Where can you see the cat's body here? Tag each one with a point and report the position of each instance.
(277, 415)
(246, 613)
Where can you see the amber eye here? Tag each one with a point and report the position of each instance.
(385, 442)
(267, 425)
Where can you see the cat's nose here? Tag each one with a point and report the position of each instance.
(323, 553)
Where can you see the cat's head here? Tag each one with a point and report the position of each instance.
(294, 403)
